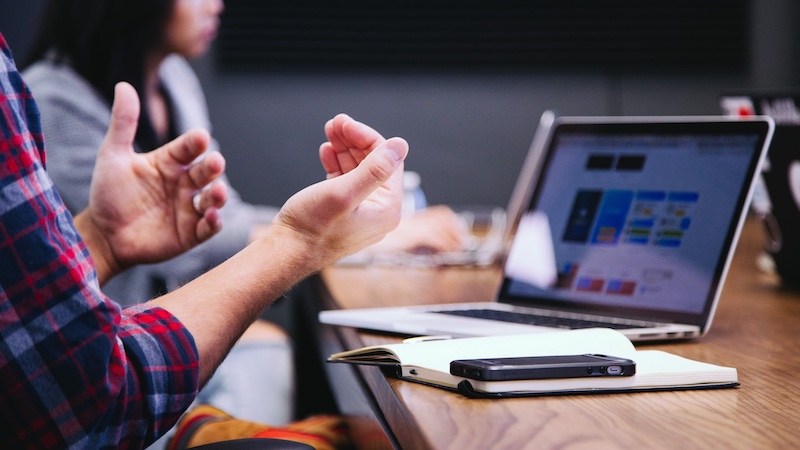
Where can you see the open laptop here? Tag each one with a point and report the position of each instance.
(776, 199)
(643, 215)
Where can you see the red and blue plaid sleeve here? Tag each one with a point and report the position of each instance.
(75, 370)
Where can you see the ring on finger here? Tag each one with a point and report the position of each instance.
(196, 203)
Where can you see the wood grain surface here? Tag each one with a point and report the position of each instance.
(756, 330)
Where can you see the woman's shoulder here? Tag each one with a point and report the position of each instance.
(54, 76)
(186, 92)
(176, 73)
(57, 83)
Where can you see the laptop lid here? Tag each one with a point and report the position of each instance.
(777, 196)
(643, 215)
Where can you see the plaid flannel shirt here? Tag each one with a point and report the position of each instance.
(76, 371)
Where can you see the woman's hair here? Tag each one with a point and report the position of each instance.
(105, 41)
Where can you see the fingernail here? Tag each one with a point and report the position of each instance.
(397, 148)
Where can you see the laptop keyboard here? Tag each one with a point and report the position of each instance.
(534, 319)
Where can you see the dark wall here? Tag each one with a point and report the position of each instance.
(469, 132)
(17, 21)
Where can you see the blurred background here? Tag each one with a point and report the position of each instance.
(464, 84)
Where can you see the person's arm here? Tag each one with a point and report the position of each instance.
(75, 119)
(88, 373)
(355, 207)
(142, 207)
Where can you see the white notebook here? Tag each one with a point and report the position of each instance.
(428, 362)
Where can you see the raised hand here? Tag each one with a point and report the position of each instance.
(152, 206)
(349, 142)
(359, 202)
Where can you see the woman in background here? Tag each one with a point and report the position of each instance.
(84, 47)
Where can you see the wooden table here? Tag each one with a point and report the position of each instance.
(756, 330)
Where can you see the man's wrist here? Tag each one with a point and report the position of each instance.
(304, 255)
(104, 261)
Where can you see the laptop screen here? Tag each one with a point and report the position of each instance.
(641, 216)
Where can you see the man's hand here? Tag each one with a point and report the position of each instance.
(358, 203)
(434, 229)
(438, 228)
(356, 206)
(153, 206)
(349, 142)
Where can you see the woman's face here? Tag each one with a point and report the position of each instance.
(192, 26)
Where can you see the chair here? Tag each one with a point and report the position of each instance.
(255, 444)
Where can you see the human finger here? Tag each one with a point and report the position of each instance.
(379, 168)
(335, 154)
(124, 119)
(214, 196)
(360, 136)
(206, 170)
(333, 130)
(330, 162)
(336, 162)
(349, 141)
(337, 158)
(448, 221)
(184, 149)
(445, 241)
(437, 237)
(208, 225)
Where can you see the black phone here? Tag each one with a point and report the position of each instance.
(540, 367)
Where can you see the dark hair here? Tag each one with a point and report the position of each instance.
(105, 41)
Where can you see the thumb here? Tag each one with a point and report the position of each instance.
(124, 118)
(378, 168)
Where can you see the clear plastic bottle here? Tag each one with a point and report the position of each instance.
(413, 198)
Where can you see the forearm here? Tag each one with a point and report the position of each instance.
(240, 222)
(317, 226)
(218, 306)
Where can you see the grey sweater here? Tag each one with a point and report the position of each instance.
(75, 118)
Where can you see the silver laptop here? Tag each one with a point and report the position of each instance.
(640, 216)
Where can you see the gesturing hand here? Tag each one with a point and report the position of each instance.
(359, 202)
(141, 206)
